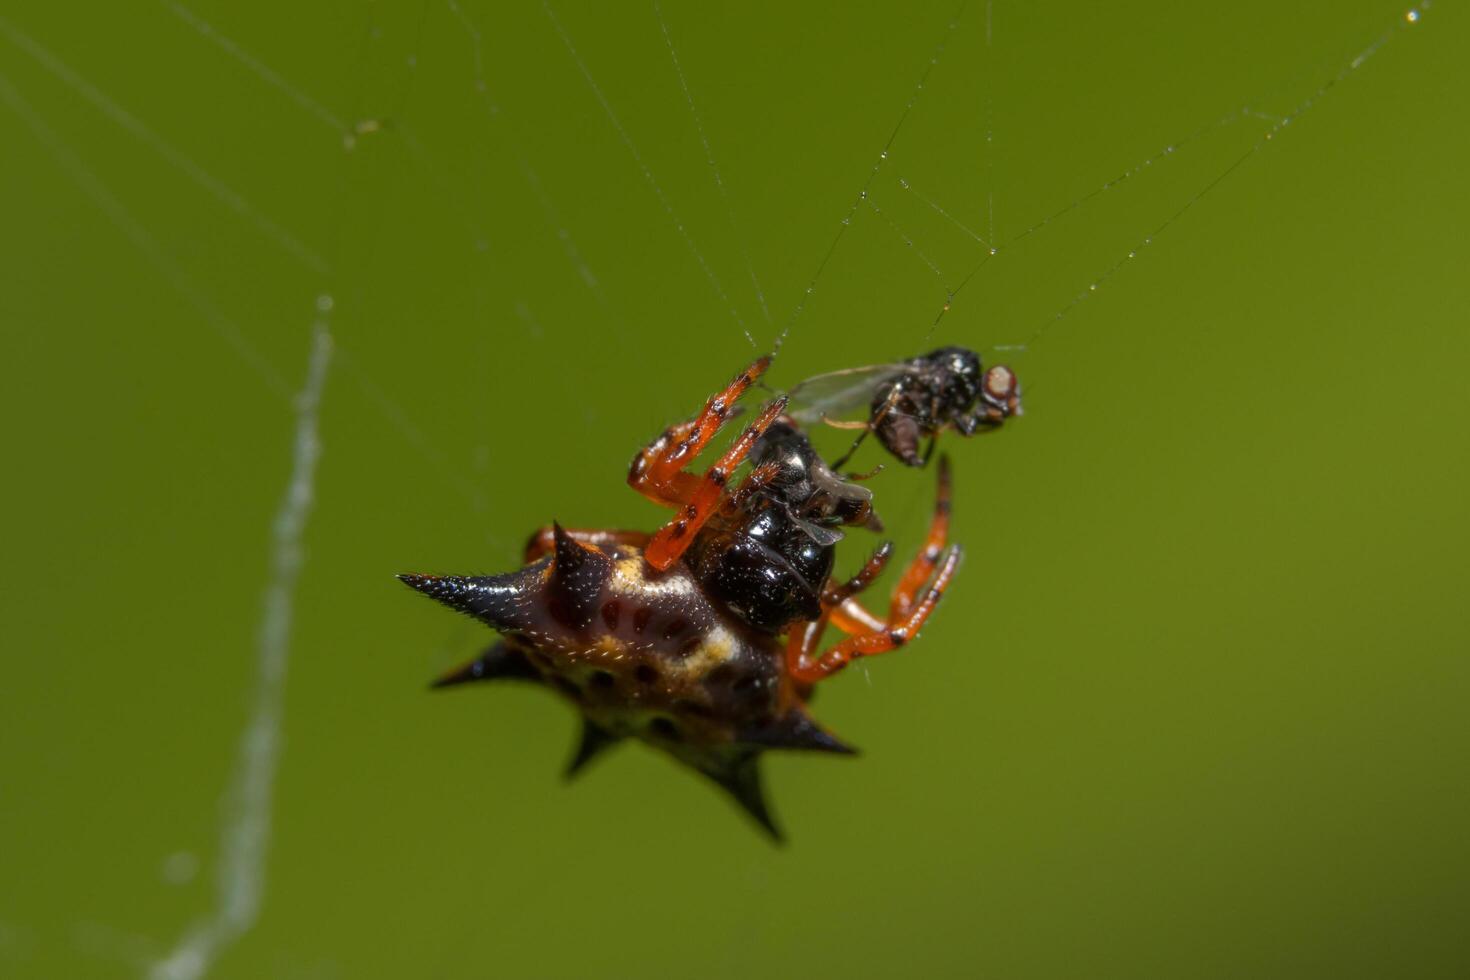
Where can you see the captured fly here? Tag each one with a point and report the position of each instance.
(911, 401)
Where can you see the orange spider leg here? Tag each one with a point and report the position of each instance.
(656, 470)
(758, 477)
(838, 595)
(671, 540)
(805, 636)
(803, 639)
(852, 617)
(803, 669)
(919, 570)
(907, 610)
(543, 542)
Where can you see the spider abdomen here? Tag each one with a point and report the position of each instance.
(642, 653)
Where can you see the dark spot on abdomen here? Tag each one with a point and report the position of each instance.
(694, 709)
(665, 729)
(749, 688)
(640, 619)
(612, 611)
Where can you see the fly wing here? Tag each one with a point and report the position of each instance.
(839, 394)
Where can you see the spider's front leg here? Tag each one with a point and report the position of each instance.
(907, 612)
(657, 470)
(658, 473)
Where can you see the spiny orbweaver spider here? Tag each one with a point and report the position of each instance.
(676, 638)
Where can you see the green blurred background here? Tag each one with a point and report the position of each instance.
(1194, 707)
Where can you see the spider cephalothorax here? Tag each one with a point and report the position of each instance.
(700, 638)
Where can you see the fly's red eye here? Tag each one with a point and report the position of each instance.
(1000, 382)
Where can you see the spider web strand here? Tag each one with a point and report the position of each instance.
(709, 156)
(263, 71)
(1413, 16)
(134, 230)
(862, 194)
(643, 168)
(245, 834)
(122, 117)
